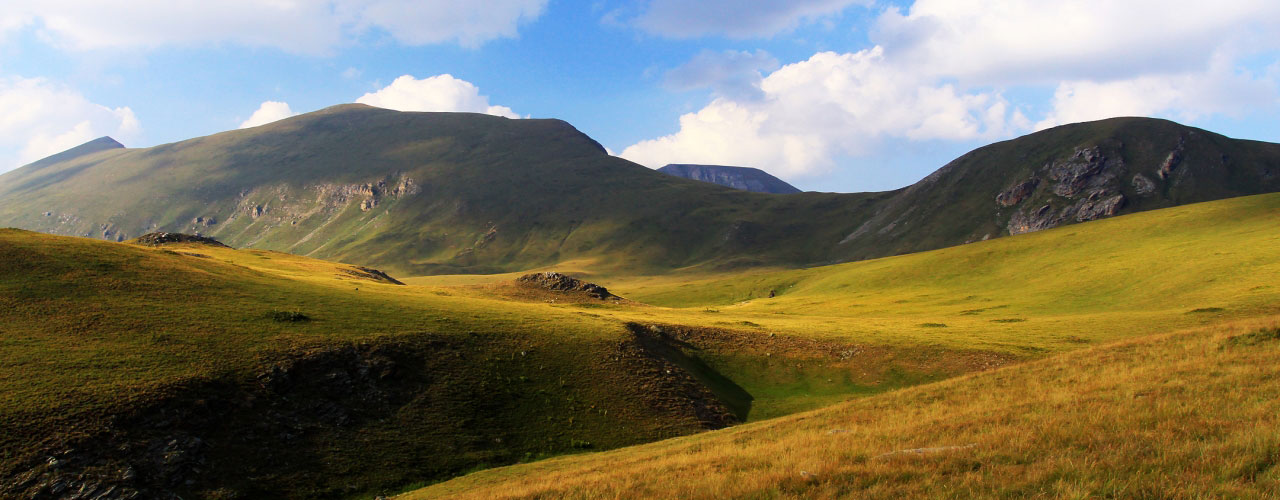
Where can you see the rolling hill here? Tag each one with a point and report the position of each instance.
(192, 369)
(431, 193)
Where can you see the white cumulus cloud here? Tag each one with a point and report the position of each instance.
(39, 118)
(269, 111)
(828, 106)
(944, 70)
(1032, 41)
(436, 93)
(300, 26)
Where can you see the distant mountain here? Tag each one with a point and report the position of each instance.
(1064, 175)
(744, 178)
(420, 193)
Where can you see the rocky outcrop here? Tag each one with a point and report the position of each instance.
(1018, 192)
(1172, 160)
(1035, 220)
(158, 239)
(1086, 169)
(1097, 207)
(1142, 185)
(562, 283)
(1084, 186)
(281, 204)
(371, 274)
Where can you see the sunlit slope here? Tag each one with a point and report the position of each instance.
(1187, 415)
(1124, 276)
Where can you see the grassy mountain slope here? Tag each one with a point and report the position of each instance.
(1186, 415)
(1064, 175)
(414, 192)
(428, 193)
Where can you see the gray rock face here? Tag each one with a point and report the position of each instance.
(1086, 169)
(744, 178)
(1086, 185)
(1035, 220)
(1091, 209)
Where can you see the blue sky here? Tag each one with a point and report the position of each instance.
(831, 95)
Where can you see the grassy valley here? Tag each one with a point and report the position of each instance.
(336, 383)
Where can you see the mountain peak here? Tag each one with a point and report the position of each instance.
(744, 178)
(100, 144)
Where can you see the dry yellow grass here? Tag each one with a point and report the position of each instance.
(1194, 414)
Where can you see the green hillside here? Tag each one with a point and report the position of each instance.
(432, 193)
(253, 373)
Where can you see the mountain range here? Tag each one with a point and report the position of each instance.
(428, 193)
